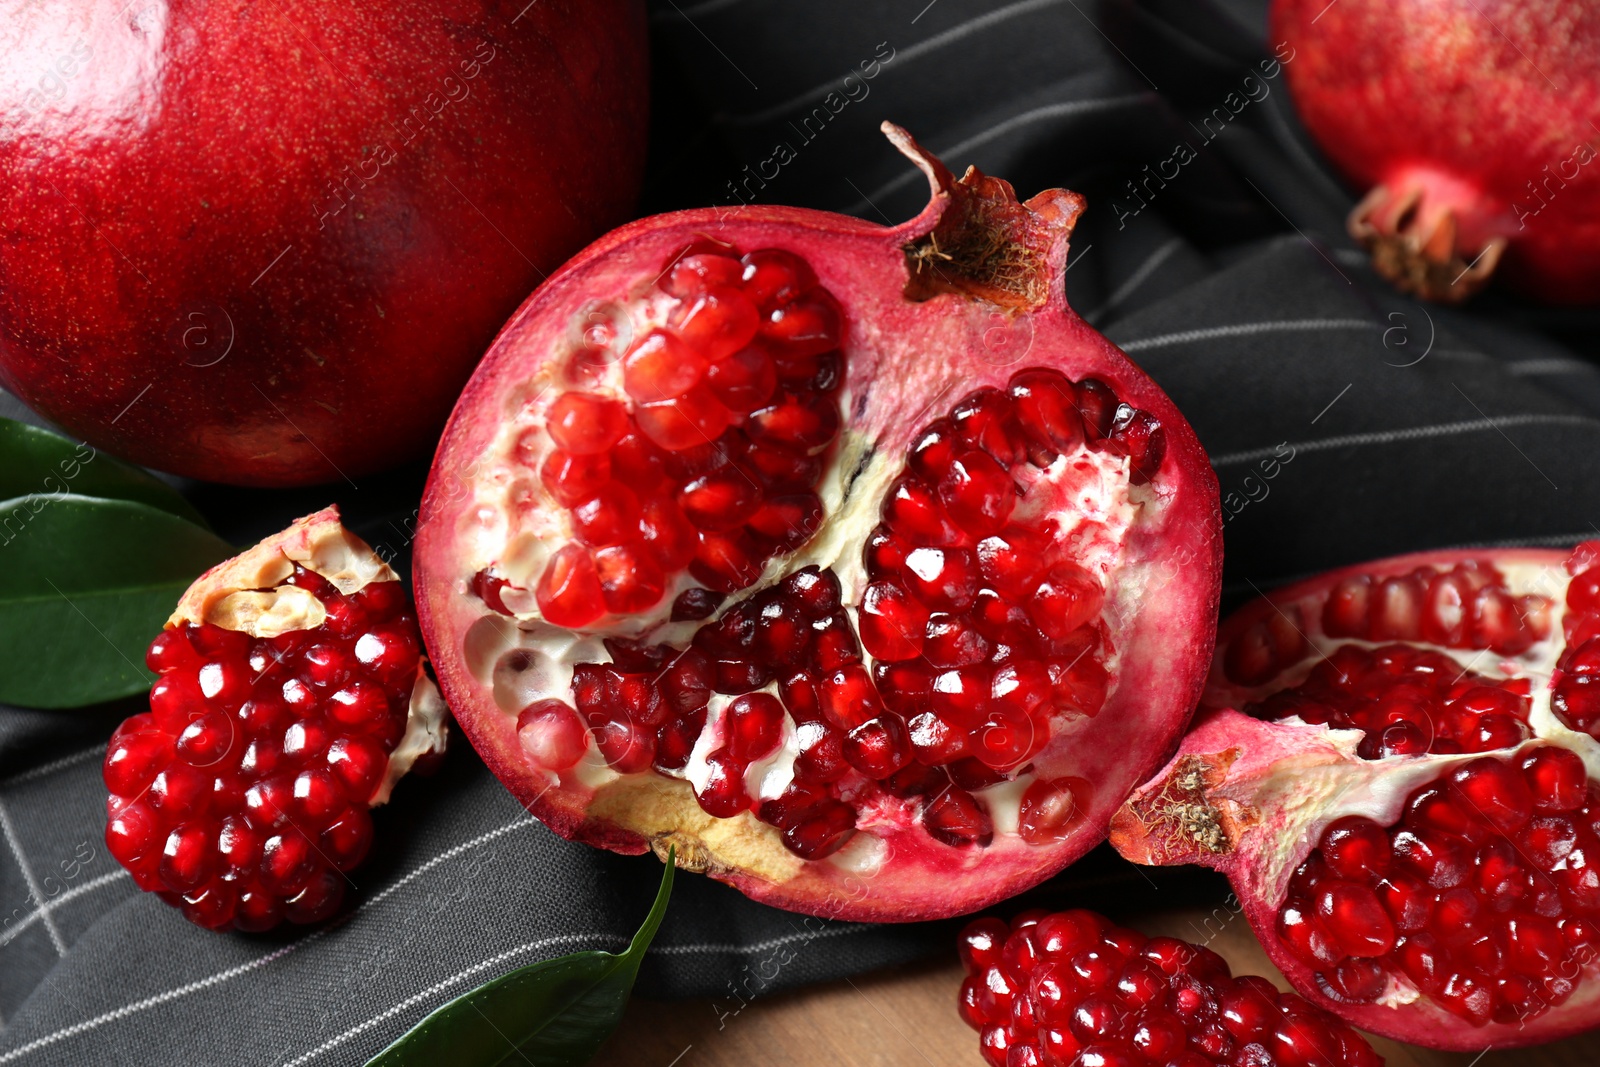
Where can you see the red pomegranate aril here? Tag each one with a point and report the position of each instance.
(722, 500)
(822, 831)
(892, 622)
(723, 794)
(954, 817)
(754, 726)
(1356, 848)
(1046, 410)
(718, 322)
(1050, 809)
(569, 592)
(773, 278)
(877, 747)
(744, 381)
(584, 424)
(1066, 598)
(697, 272)
(977, 493)
(662, 368)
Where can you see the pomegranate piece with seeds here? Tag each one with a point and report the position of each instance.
(1070, 988)
(840, 598)
(292, 697)
(1406, 810)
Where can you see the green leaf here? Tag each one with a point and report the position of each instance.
(37, 462)
(85, 583)
(555, 1013)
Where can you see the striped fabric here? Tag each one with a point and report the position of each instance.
(1213, 251)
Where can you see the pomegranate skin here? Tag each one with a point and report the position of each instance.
(1481, 108)
(1251, 799)
(910, 355)
(265, 244)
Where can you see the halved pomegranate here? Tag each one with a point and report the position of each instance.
(846, 559)
(1406, 806)
(292, 697)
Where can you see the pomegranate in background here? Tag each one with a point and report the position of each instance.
(1469, 126)
(846, 559)
(266, 243)
(1406, 802)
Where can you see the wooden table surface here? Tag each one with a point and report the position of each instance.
(906, 1017)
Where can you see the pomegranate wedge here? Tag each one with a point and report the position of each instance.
(1405, 803)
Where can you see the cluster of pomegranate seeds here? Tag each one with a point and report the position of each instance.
(1408, 700)
(982, 631)
(1071, 990)
(1576, 699)
(242, 795)
(712, 462)
(1485, 896)
(1465, 606)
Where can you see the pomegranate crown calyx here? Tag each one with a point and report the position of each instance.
(981, 241)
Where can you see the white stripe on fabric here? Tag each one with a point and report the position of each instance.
(244, 968)
(665, 950)
(1245, 330)
(956, 151)
(1414, 433)
(27, 876)
(901, 57)
(1137, 278)
(54, 765)
(455, 979)
(759, 946)
(55, 902)
(1551, 366)
(709, 7)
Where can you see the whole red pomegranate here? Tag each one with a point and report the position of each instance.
(1405, 804)
(845, 558)
(1470, 122)
(265, 243)
(1070, 989)
(292, 697)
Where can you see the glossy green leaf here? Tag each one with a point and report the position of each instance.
(555, 1013)
(85, 583)
(36, 462)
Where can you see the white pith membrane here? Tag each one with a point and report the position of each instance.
(1252, 798)
(248, 594)
(515, 527)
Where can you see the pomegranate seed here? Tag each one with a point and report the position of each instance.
(878, 747)
(943, 579)
(569, 591)
(584, 424)
(954, 817)
(726, 562)
(754, 726)
(1046, 411)
(662, 368)
(1067, 598)
(824, 830)
(694, 418)
(892, 622)
(721, 500)
(718, 322)
(977, 493)
(692, 605)
(552, 735)
(695, 272)
(795, 422)
(1051, 810)
(630, 577)
(724, 794)
(774, 278)
(744, 381)
(1097, 407)
(808, 324)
